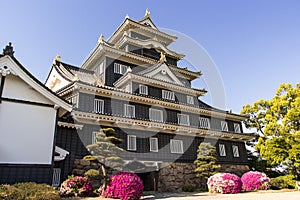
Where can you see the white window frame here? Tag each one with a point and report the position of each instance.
(74, 100)
(143, 89)
(237, 128)
(170, 95)
(180, 119)
(224, 126)
(120, 68)
(94, 137)
(222, 150)
(153, 143)
(126, 111)
(204, 122)
(153, 113)
(235, 151)
(98, 108)
(190, 100)
(131, 142)
(176, 146)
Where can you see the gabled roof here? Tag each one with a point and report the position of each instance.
(10, 65)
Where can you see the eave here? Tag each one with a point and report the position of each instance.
(123, 122)
(148, 44)
(157, 83)
(104, 49)
(115, 93)
(129, 24)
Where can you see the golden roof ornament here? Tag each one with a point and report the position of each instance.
(127, 16)
(100, 39)
(57, 58)
(75, 78)
(129, 70)
(162, 57)
(147, 13)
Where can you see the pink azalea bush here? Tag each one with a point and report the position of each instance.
(224, 183)
(76, 186)
(255, 181)
(125, 186)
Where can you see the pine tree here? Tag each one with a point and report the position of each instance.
(106, 152)
(206, 161)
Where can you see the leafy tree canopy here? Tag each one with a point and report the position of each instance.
(206, 160)
(278, 123)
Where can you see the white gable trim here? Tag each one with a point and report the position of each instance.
(163, 73)
(18, 71)
(62, 154)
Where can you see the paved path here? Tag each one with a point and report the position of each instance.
(263, 195)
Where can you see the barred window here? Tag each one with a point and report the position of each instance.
(94, 137)
(224, 126)
(183, 119)
(98, 106)
(120, 69)
(237, 128)
(235, 150)
(129, 111)
(204, 122)
(131, 142)
(154, 144)
(155, 115)
(222, 150)
(190, 100)
(143, 89)
(168, 95)
(176, 146)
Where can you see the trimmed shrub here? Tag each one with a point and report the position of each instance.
(31, 191)
(76, 186)
(283, 182)
(188, 188)
(254, 180)
(224, 183)
(125, 186)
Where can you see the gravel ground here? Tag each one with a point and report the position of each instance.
(261, 195)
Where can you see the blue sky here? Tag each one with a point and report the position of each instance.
(254, 44)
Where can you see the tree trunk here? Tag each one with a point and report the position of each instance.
(105, 178)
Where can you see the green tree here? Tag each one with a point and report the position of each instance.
(106, 152)
(277, 122)
(206, 162)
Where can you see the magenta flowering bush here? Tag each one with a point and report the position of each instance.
(224, 183)
(125, 186)
(255, 181)
(76, 186)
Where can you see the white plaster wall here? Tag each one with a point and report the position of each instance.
(16, 88)
(26, 133)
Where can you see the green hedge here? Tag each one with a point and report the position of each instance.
(28, 191)
(283, 182)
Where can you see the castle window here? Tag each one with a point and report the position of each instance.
(128, 88)
(155, 115)
(222, 150)
(176, 146)
(204, 123)
(183, 119)
(235, 150)
(168, 95)
(131, 142)
(237, 128)
(129, 111)
(98, 106)
(154, 144)
(94, 137)
(190, 100)
(119, 68)
(224, 126)
(143, 89)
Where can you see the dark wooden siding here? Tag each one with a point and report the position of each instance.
(17, 173)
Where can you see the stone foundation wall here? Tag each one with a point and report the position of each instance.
(176, 175)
